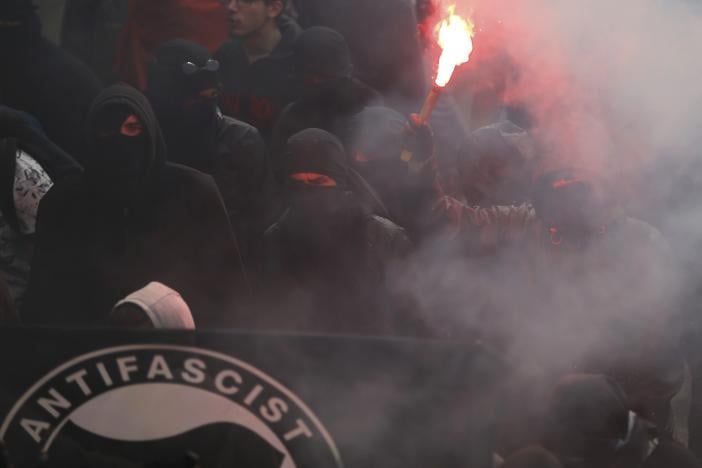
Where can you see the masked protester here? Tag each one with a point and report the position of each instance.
(29, 166)
(132, 218)
(183, 89)
(376, 141)
(496, 165)
(331, 96)
(329, 252)
(257, 64)
(42, 79)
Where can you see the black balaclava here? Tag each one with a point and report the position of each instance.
(317, 151)
(19, 22)
(496, 165)
(187, 119)
(323, 67)
(570, 206)
(122, 166)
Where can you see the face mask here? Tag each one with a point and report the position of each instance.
(201, 112)
(120, 156)
(31, 184)
(328, 205)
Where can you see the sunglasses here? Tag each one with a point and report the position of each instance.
(189, 68)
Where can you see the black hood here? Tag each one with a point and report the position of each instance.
(125, 95)
(19, 22)
(318, 151)
(322, 51)
(378, 133)
(168, 85)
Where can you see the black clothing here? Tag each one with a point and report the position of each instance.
(90, 30)
(322, 53)
(327, 254)
(377, 138)
(257, 92)
(131, 219)
(331, 109)
(330, 95)
(42, 79)
(383, 42)
(496, 164)
(229, 150)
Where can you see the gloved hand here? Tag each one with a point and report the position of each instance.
(419, 139)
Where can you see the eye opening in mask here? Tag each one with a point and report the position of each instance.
(314, 179)
(131, 127)
(189, 68)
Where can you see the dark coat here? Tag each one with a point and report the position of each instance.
(327, 256)
(92, 250)
(257, 92)
(42, 79)
(331, 110)
(198, 136)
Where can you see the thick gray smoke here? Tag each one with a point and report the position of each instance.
(614, 88)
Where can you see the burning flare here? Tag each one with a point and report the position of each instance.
(455, 39)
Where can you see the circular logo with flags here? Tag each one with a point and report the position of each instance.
(155, 403)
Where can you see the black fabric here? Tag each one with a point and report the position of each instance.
(328, 251)
(493, 166)
(322, 52)
(382, 38)
(330, 108)
(42, 79)
(257, 92)
(229, 150)
(94, 246)
(17, 133)
(670, 454)
(589, 422)
(376, 140)
(317, 151)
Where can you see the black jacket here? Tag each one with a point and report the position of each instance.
(331, 109)
(257, 92)
(93, 250)
(42, 79)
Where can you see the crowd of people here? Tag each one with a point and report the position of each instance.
(257, 182)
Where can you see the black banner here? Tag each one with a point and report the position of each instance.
(112, 398)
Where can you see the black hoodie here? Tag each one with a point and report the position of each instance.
(131, 219)
(198, 136)
(257, 92)
(327, 254)
(331, 96)
(42, 79)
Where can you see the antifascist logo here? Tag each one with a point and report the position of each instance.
(152, 403)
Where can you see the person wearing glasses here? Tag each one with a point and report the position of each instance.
(183, 88)
(256, 63)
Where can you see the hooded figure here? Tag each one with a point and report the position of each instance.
(183, 88)
(377, 138)
(328, 252)
(496, 165)
(40, 78)
(331, 96)
(29, 166)
(153, 306)
(132, 218)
